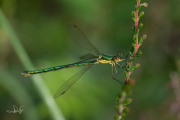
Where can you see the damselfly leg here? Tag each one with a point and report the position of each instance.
(113, 67)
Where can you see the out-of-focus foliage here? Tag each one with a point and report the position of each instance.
(41, 25)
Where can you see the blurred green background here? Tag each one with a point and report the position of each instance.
(41, 28)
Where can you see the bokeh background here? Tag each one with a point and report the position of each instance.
(40, 26)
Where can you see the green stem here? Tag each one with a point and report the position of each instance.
(37, 80)
(123, 99)
(136, 43)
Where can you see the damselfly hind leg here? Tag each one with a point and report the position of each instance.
(119, 81)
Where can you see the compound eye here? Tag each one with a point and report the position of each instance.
(116, 58)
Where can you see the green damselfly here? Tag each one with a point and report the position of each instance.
(88, 62)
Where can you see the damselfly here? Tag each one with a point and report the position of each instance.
(88, 62)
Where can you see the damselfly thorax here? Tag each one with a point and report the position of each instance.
(107, 59)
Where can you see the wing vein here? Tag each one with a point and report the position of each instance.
(68, 84)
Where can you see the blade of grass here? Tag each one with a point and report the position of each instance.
(37, 80)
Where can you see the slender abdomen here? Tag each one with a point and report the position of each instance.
(29, 73)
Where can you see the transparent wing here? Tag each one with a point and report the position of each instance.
(68, 84)
(88, 56)
(81, 39)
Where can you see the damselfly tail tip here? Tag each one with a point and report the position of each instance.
(25, 74)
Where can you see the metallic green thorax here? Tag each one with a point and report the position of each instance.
(106, 57)
(102, 59)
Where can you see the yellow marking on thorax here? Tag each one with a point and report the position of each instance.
(106, 61)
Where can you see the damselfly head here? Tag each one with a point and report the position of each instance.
(117, 59)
